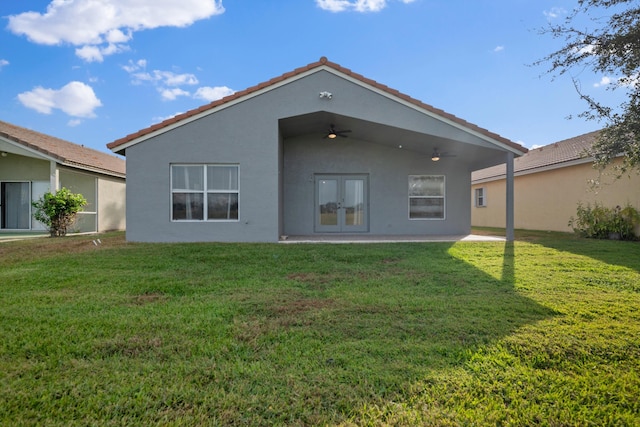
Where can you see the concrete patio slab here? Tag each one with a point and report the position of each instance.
(387, 239)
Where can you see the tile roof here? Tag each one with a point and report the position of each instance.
(64, 152)
(556, 154)
(323, 62)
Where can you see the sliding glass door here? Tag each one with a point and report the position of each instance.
(15, 206)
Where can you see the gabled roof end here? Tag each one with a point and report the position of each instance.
(322, 62)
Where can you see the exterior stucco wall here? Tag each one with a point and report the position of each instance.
(237, 135)
(388, 170)
(111, 204)
(81, 183)
(21, 168)
(105, 209)
(85, 184)
(547, 200)
(273, 176)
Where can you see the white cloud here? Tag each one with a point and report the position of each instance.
(3, 63)
(107, 24)
(90, 53)
(211, 94)
(587, 50)
(115, 39)
(169, 84)
(334, 5)
(117, 36)
(604, 81)
(172, 94)
(75, 99)
(498, 49)
(163, 78)
(97, 54)
(554, 13)
(631, 81)
(171, 79)
(355, 5)
(74, 122)
(534, 146)
(140, 64)
(623, 82)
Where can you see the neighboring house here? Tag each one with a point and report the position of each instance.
(549, 182)
(32, 163)
(271, 161)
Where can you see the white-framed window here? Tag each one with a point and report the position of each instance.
(426, 197)
(480, 197)
(206, 192)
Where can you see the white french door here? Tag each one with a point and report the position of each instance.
(341, 203)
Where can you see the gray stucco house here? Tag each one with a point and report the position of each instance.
(316, 151)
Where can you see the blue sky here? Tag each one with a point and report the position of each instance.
(94, 71)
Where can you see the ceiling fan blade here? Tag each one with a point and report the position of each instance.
(443, 153)
(333, 133)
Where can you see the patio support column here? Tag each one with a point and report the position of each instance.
(509, 198)
(54, 177)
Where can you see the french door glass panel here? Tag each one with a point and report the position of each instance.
(328, 202)
(341, 203)
(354, 202)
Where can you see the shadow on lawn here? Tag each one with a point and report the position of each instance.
(509, 264)
(378, 332)
(613, 252)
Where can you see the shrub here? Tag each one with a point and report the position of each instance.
(600, 222)
(58, 211)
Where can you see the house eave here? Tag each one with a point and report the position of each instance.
(530, 171)
(31, 149)
(78, 166)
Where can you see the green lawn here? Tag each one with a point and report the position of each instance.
(544, 331)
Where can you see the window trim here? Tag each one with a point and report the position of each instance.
(205, 191)
(443, 197)
(483, 197)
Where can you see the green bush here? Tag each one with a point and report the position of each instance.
(600, 222)
(58, 211)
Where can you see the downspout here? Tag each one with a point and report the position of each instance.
(510, 227)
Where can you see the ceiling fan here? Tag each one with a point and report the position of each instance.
(333, 133)
(437, 155)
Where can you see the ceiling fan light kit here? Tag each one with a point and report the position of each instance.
(333, 133)
(437, 155)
